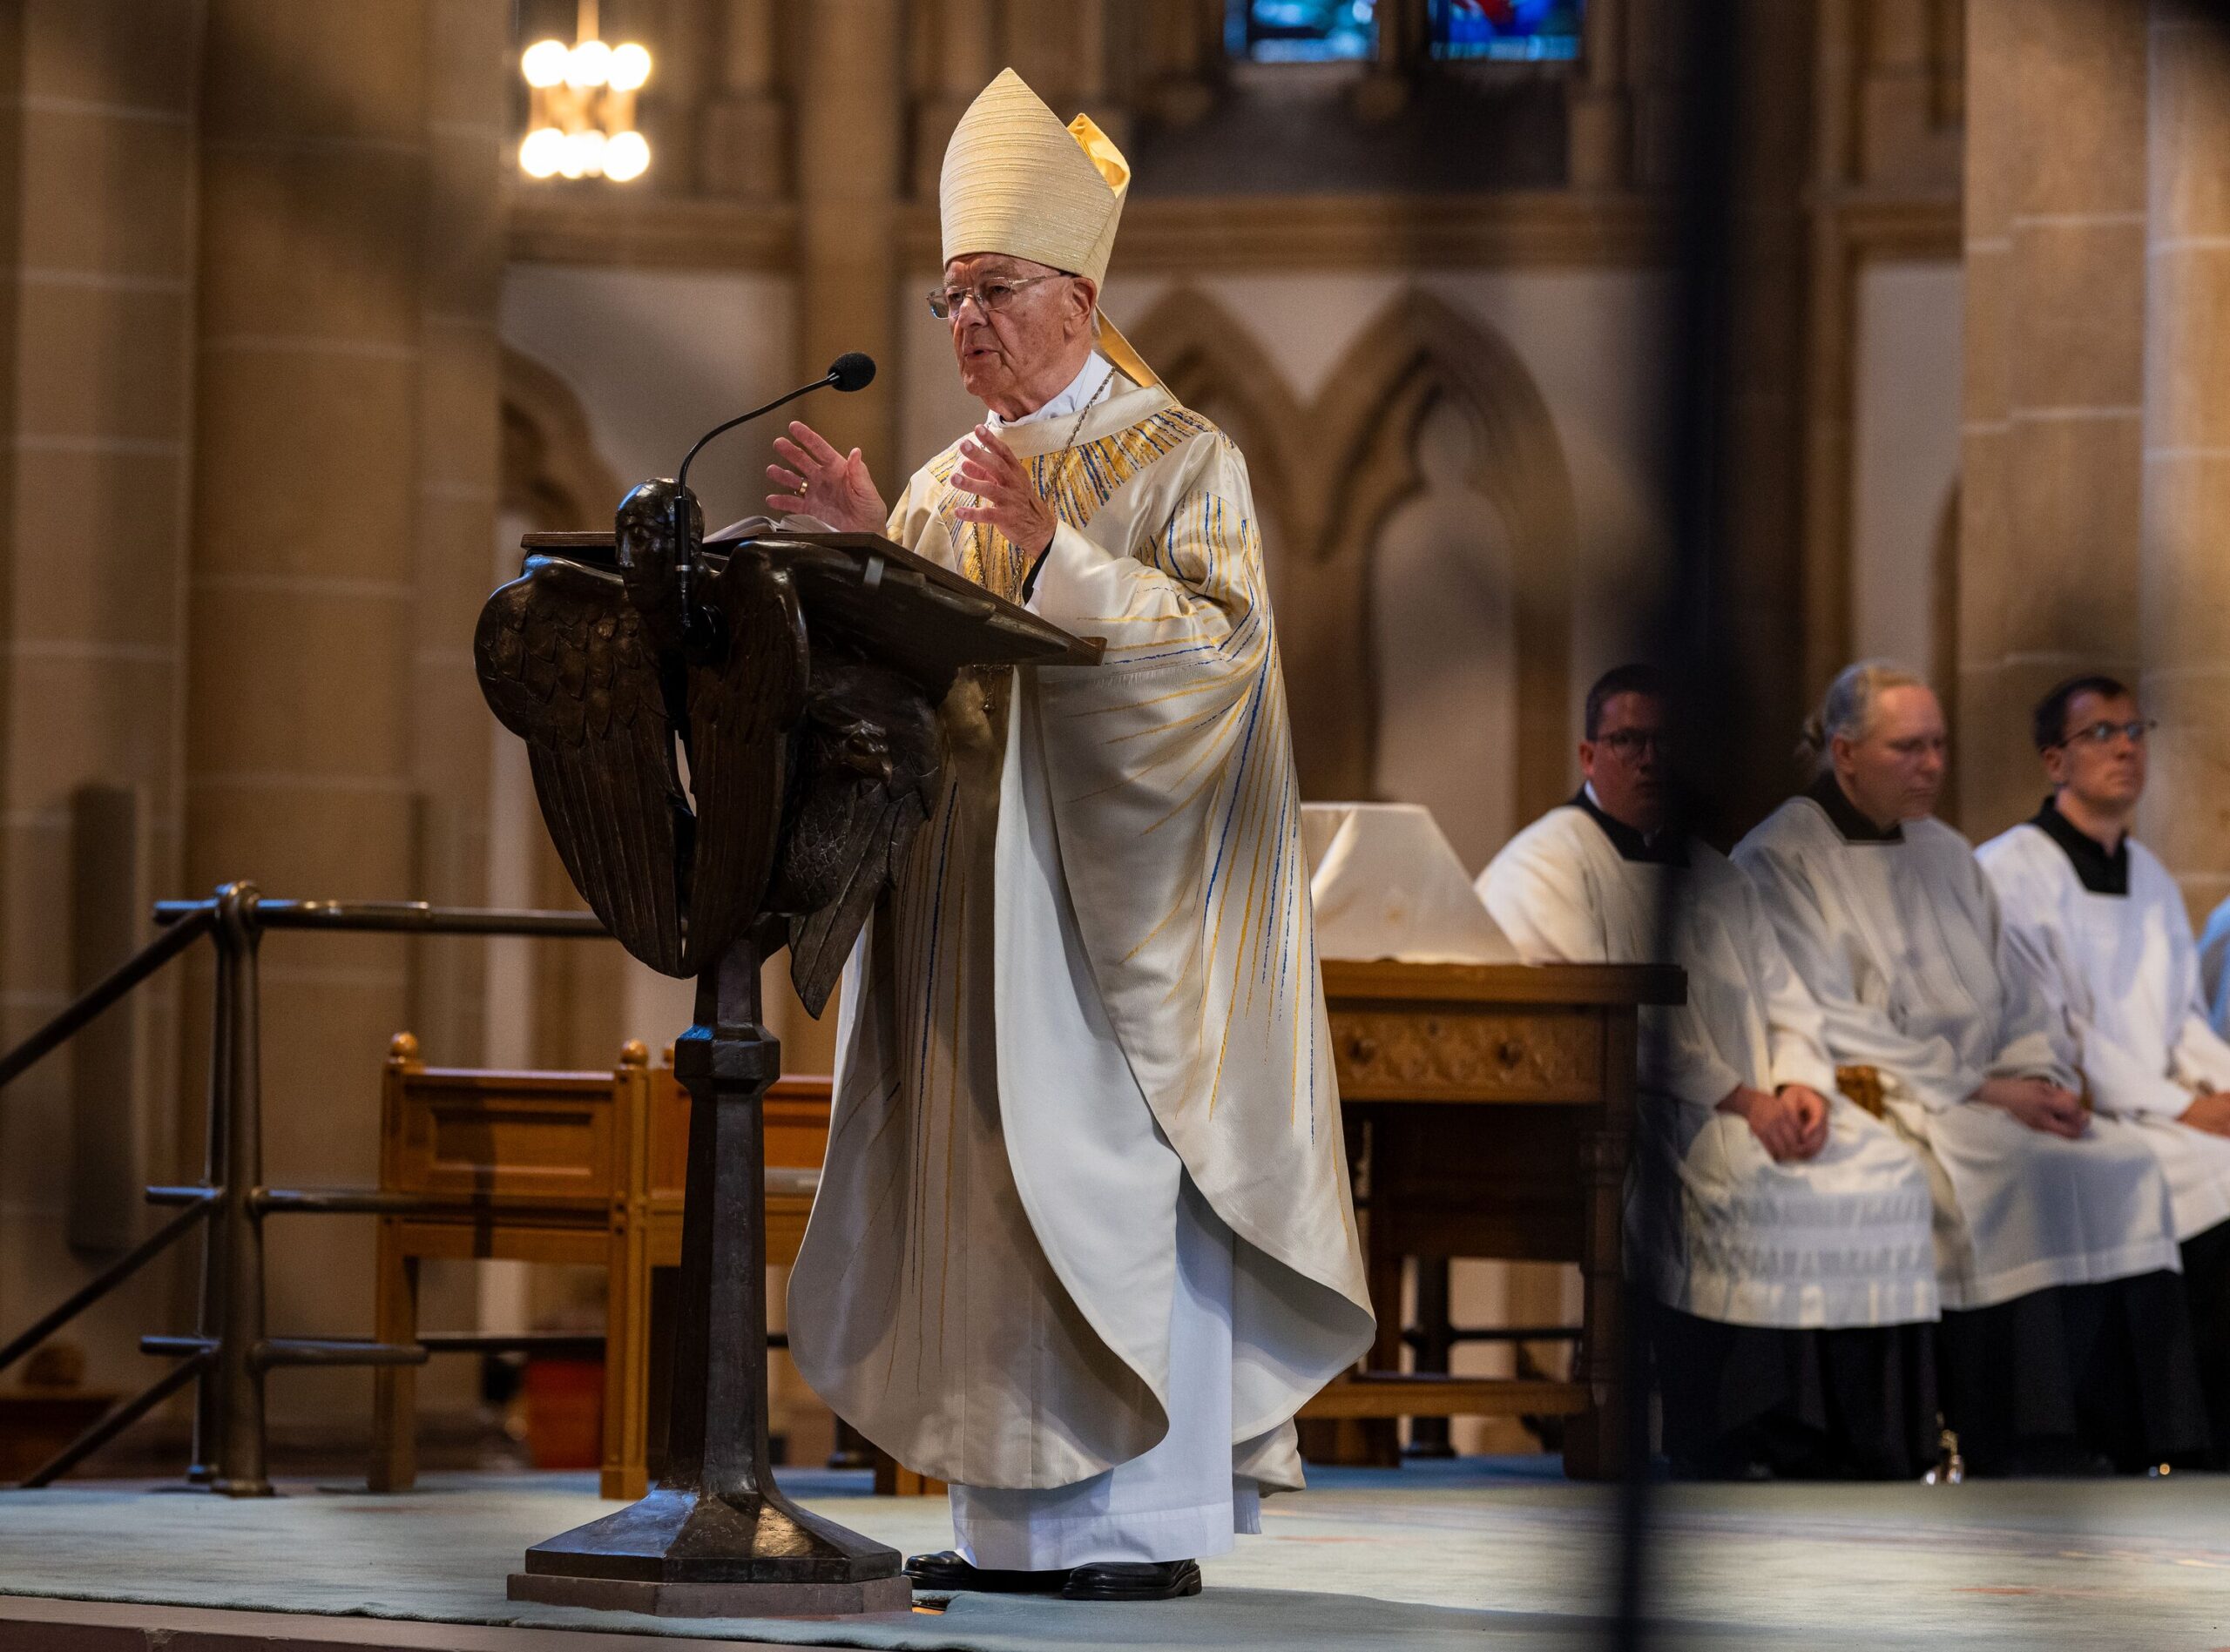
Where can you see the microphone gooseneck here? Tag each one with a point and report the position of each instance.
(854, 370)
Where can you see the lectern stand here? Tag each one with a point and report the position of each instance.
(799, 674)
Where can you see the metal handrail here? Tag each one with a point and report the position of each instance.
(228, 1354)
(140, 1254)
(403, 917)
(194, 921)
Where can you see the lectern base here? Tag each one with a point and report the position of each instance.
(680, 1553)
(714, 1599)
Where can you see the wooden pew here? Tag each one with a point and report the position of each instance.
(581, 1168)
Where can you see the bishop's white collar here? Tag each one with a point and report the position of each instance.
(1096, 370)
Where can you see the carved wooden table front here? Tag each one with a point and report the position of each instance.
(1488, 1112)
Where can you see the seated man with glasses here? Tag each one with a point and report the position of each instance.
(1783, 1232)
(2065, 1345)
(1083, 1243)
(2098, 927)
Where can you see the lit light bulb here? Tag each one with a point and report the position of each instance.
(544, 63)
(589, 64)
(631, 67)
(583, 154)
(542, 152)
(627, 155)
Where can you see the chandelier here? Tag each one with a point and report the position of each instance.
(581, 121)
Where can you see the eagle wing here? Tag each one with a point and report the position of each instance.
(740, 712)
(865, 780)
(564, 665)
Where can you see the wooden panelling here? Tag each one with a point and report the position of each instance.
(1456, 1054)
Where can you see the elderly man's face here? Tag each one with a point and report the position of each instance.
(1895, 770)
(1020, 350)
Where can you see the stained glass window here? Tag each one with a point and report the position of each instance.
(1506, 30)
(1303, 30)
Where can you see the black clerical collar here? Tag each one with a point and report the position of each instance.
(1828, 793)
(1668, 848)
(2102, 873)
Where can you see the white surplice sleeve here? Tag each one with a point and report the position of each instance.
(2033, 1042)
(1795, 1028)
(1538, 891)
(2040, 968)
(1857, 1033)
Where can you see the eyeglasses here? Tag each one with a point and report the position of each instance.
(991, 297)
(1629, 743)
(2103, 734)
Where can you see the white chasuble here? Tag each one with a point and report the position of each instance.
(1838, 1240)
(1899, 941)
(1095, 978)
(2120, 971)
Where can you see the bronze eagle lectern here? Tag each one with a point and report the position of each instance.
(733, 743)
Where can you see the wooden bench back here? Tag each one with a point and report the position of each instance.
(580, 1140)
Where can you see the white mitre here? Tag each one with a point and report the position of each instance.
(1016, 181)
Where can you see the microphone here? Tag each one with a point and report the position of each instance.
(854, 370)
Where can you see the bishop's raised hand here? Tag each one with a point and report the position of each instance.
(815, 480)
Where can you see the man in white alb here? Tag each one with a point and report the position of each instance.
(2100, 927)
(1784, 1232)
(1084, 1242)
(2056, 1253)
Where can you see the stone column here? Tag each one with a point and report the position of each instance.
(1599, 109)
(1183, 58)
(458, 454)
(746, 133)
(2055, 331)
(304, 585)
(468, 147)
(850, 132)
(2185, 560)
(97, 266)
(965, 59)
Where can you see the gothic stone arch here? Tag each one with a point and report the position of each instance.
(1327, 476)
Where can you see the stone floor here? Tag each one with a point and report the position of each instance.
(1479, 1553)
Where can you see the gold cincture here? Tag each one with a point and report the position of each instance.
(1862, 1086)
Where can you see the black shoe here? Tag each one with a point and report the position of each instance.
(1132, 1580)
(946, 1570)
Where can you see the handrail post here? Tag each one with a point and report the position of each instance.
(239, 1366)
(209, 1316)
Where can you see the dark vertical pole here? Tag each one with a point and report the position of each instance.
(717, 1419)
(208, 1392)
(1706, 37)
(1429, 1435)
(239, 1336)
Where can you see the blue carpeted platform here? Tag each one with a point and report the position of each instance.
(1471, 1554)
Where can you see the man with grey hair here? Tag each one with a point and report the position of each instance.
(2056, 1249)
(2097, 926)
